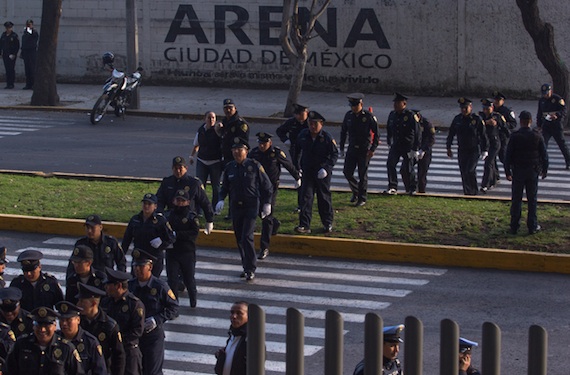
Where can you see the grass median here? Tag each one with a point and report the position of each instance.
(413, 219)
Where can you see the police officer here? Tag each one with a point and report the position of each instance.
(82, 260)
(3, 262)
(39, 289)
(525, 160)
(233, 126)
(403, 136)
(494, 125)
(249, 189)
(290, 129)
(11, 312)
(272, 159)
(317, 153)
(363, 137)
(9, 47)
(181, 258)
(425, 152)
(30, 39)
(99, 324)
(107, 251)
(550, 119)
(150, 231)
(472, 142)
(510, 122)
(7, 340)
(87, 345)
(160, 306)
(465, 367)
(128, 310)
(45, 351)
(390, 363)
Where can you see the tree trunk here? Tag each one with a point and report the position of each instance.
(296, 82)
(45, 86)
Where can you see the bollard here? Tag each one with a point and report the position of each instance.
(373, 343)
(537, 350)
(295, 343)
(255, 341)
(491, 349)
(449, 349)
(413, 346)
(333, 343)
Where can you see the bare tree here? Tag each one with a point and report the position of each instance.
(542, 33)
(296, 33)
(45, 86)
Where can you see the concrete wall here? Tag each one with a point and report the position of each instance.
(425, 47)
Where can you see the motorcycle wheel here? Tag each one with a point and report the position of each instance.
(99, 109)
(119, 111)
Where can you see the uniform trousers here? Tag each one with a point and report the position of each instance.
(423, 166)
(10, 66)
(490, 170)
(357, 157)
(214, 171)
(182, 262)
(554, 130)
(243, 219)
(406, 169)
(524, 178)
(133, 364)
(29, 56)
(310, 186)
(468, 167)
(269, 222)
(152, 349)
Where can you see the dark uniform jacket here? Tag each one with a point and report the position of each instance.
(470, 131)
(106, 253)
(403, 131)
(470, 371)
(90, 352)
(317, 154)
(362, 130)
(209, 142)
(21, 325)
(47, 291)
(30, 41)
(553, 104)
(59, 358)
(240, 355)
(107, 332)
(129, 313)
(509, 115)
(428, 134)
(2, 281)
(9, 44)
(141, 232)
(159, 300)
(198, 198)
(247, 184)
(185, 223)
(272, 160)
(389, 367)
(494, 132)
(7, 340)
(96, 278)
(234, 126)
(290, 130)
(526, 149)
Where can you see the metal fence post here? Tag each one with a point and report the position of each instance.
(449, 350)
(255, 341)
(333, 343)
(413, 346)
(295, 343)
(537, 350)
(373, 341)
(491, 349)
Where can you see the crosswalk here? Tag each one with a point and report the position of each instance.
(16, 125)
(310, 285)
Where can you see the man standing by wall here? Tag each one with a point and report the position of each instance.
(9, 47)
(30, 39)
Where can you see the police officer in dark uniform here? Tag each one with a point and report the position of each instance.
(30, 39)
(465, 367)
(99, 324)
(107, 251)
(525, 160)
(82, 259)
(45, 351)
(317, 153)
(39, 289)
(181, 258)
(249, 189)
(3, 262)
(128, 310)
(290, 129)
(550, 119)
(272, 159)
(233, 126)
(150, 231)
(11, 312)
(425, 152)
(87, 345)
(390, 363)
(494, 125)
(160, 306)
(510, 122)
(9, 47)
(363, 137)
(7, 340)
(472, 142)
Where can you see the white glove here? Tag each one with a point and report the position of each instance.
(219, 207)
(484, 155)
(421, 155)
(411, 154)
(287, 143)
(12, 57)
(156, 242)
(322, 173)
(149, 324)
(265, 210)
(417, 155)
(191, 160)
(208, 229)
(298, 184)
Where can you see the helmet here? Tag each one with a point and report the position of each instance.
(108, 58)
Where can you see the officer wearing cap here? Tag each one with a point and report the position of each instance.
(3, 262)
(272, 159)
(7, 340)
(550, 119)
(390, 363)
(38, 288)
(128, 310)
(232, 126)
(45, 351)
(494, 126)
(12, 313)
(30, 39)
(9, 47)
(427, 131)
(99, 324)
(290, 129)
(526, 158)
(465, 347)
(250, 191)
(87, 345)
(472, 142)
(363, 137)
(403, 136)
(82, 260)
(107, 251)
(149, 230)
(510, 122)
(181, 259)
(317, 153)
(160, 304)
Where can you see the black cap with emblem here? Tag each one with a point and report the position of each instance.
(240, 143)
(182, 194)
(464, 102)
(150, 197)
(10, 298)
(316, 116)
(88, 291)
(229, 103)
(178, 161)
(399, 97)
(44, 315)
(355, 98)
(263, 137)
(141, 257)
(115, 276)
(30, 259)
(299, 108)
(486, 102)
(93, 220)
(498, 95)
(546, 87)
(67, 309)
(81, 253)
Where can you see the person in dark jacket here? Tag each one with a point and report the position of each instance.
(30, 39)
(494, 125)
(13, 314)
(9, 47)
(425, 152)
(391, 365)
(550, 119)
(82, 259)
(232, 359)
(3, 262)
(465, 367)
(233, 126)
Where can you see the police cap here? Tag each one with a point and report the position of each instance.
(182, 194)
(10, 298)
(150, 197)
(115, 276)
(44, 315)
(299, 108)
(355, 98)
(67, 309)
(93, 220)
(88, 291)
(263, 137)
(8, 24)
(30, 259)
(392, 333)
(525, 115)
(141, 257)
(240, 143)
(399, 97)
(486, 102)
(229, 103)
(464, 102)
(545, 88)
(3, 259)
(178, 161)
(81, 253)
(498, 95)
(316, 116)
(466, 345)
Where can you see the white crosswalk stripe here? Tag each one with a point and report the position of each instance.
(16, 125)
